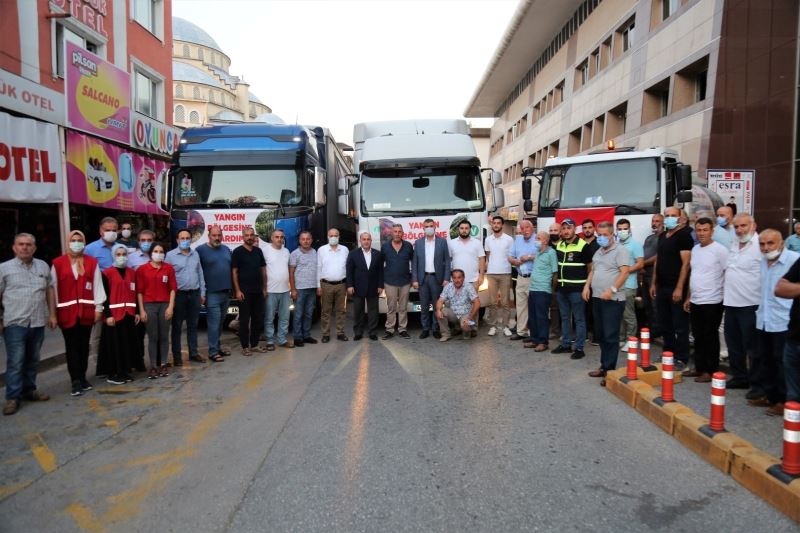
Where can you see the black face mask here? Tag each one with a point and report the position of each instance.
(554, 238)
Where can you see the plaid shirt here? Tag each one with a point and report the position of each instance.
(23, 293)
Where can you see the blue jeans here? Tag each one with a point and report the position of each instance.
(216, 310)
(187, 307)
(607, 320)
(277, 303)
(791, 370)
(538, 319)
(22, 353)
(571, 304)
(303, 313)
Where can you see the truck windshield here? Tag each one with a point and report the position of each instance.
(421, 191)
(214, 186)
(633, 182)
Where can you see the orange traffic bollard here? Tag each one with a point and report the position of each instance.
(632, 358)
(667, 362)
(644, 349)
(791, 438)
(717, 422)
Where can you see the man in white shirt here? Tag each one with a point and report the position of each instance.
(724, 232)
(741, 296)
(498, 272)
(331, 285)
(278, 295)
(468, 255)
(704, 304)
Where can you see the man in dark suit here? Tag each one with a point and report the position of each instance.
(430, 272)
(364, 283)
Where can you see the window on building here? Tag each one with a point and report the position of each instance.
(624, 37)
(598, 129)
(64, 35)
(574, 145)
(690, 85)
(196, 93)
(180, 114)
(194, 117)
(211, 97)
(586, 136)
(605, 53)
(144, 12)
(535, 115)
(200, 54)
(616, 121)
(552, 150)
(213, 58)
(656, 101)
(669, 7)
(582, 74)
(145, 94)
(186, 51)
(558, 94)
(594, 63)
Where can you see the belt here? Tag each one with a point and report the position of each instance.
(524, 275)
(188, 290)
(333, 282)
(430, 273)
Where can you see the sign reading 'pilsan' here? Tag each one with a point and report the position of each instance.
(153, 136)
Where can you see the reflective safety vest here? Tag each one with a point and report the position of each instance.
(74, 297)
(572, 271)
(121, 292)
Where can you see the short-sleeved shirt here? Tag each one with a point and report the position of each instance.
(636, 250)
(773, 313)
(277, 269)
(101, 252)
(465, 255)
(545, 265)
(743, 275)
(23, 293)
(249, 263)
(397, 264)
(650, 249)
(305, 268)
(522, 247)
(216, 263)
(459, 300)
(499, 249)
(707, 276)
(793, 276)
(155, 284)
(606, 265)
(668, 264)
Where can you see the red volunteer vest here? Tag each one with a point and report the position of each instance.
(75, 297)
(121, 292)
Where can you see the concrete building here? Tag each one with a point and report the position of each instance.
(204, 90)
(717, 80)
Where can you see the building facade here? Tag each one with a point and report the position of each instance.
(85, 110)
(204, 90)
(716, 80)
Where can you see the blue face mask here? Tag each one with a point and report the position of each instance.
(537, 245)
(603, 241)
(722, 221)
(184, 244)
(145, 246)
(670, 222)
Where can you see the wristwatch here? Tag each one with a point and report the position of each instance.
(613, 289)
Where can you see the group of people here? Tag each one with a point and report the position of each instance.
(689, 276)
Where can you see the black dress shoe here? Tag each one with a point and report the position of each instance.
(298, 344)
(404, 334)
(310, 340)
(425, 334)
(437, 334)
(358, 337)
(326, 338)
(561, 349)
(343, 337)
(737, 384)
(516, 337)
(373, 337)
(578, 354)
(387, 335)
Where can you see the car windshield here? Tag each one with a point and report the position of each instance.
(629, 181)
(421, 190)
(237, 186)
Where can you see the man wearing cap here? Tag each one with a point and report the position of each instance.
(574, 265)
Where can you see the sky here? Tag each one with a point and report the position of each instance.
(335, 63)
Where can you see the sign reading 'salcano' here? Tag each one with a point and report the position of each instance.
(98, 95)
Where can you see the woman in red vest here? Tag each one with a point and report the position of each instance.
(78, 285)
(156, 287)
(118, 340)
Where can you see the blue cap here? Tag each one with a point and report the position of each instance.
(568, 222)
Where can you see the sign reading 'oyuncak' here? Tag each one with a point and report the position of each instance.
(98, 96)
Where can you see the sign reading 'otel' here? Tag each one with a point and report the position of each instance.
(92, 13)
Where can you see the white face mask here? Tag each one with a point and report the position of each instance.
(126, 233)
(623, 234)
(157, 257)
(121, 261)
(333, 241)
(773, 255)
(76, 246)
(110, 236)
(429, 232)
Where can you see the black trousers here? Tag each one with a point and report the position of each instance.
(251, 319)
(76, 344)
(368, 318)
(705, 319)
(769, 377)
(740, 336)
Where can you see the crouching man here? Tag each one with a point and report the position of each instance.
(458, 304)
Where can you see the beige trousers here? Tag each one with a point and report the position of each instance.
(396, 306)
(521, 294)
(334, 299)
(499, 314)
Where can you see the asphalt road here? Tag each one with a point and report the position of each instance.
(397, 435)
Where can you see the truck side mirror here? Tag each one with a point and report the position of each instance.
(497, 178)
(498, 195)
(684, 177)
(527, 206)
(527, 187)
(684, 197)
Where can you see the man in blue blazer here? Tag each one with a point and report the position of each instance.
(430, 272)
(364, 283)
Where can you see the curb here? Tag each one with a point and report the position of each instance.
(44, 365)
(750, 467)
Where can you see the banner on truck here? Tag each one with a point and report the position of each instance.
(446, 227)
(735, 187)
(233, 221)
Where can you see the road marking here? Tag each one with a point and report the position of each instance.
(45, 457)
(85, 518)
(8, 490)
(346, 360)
(96, 407)
(138, 401)
(119, 389)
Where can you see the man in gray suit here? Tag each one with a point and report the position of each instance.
(430, 272)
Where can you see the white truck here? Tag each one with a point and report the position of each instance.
(410, 170)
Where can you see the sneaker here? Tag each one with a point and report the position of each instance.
(127, 378)
(116, 380)
(561, 349)
(11, 407)
(578, 354)
(492, 331)
(85, 385)
(76, 388)
(507, 332)
(444, 338)
(404, 334)
(152, 373)
(163, 372)
(387, 335)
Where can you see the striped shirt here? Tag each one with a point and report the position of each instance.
(23, 293)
